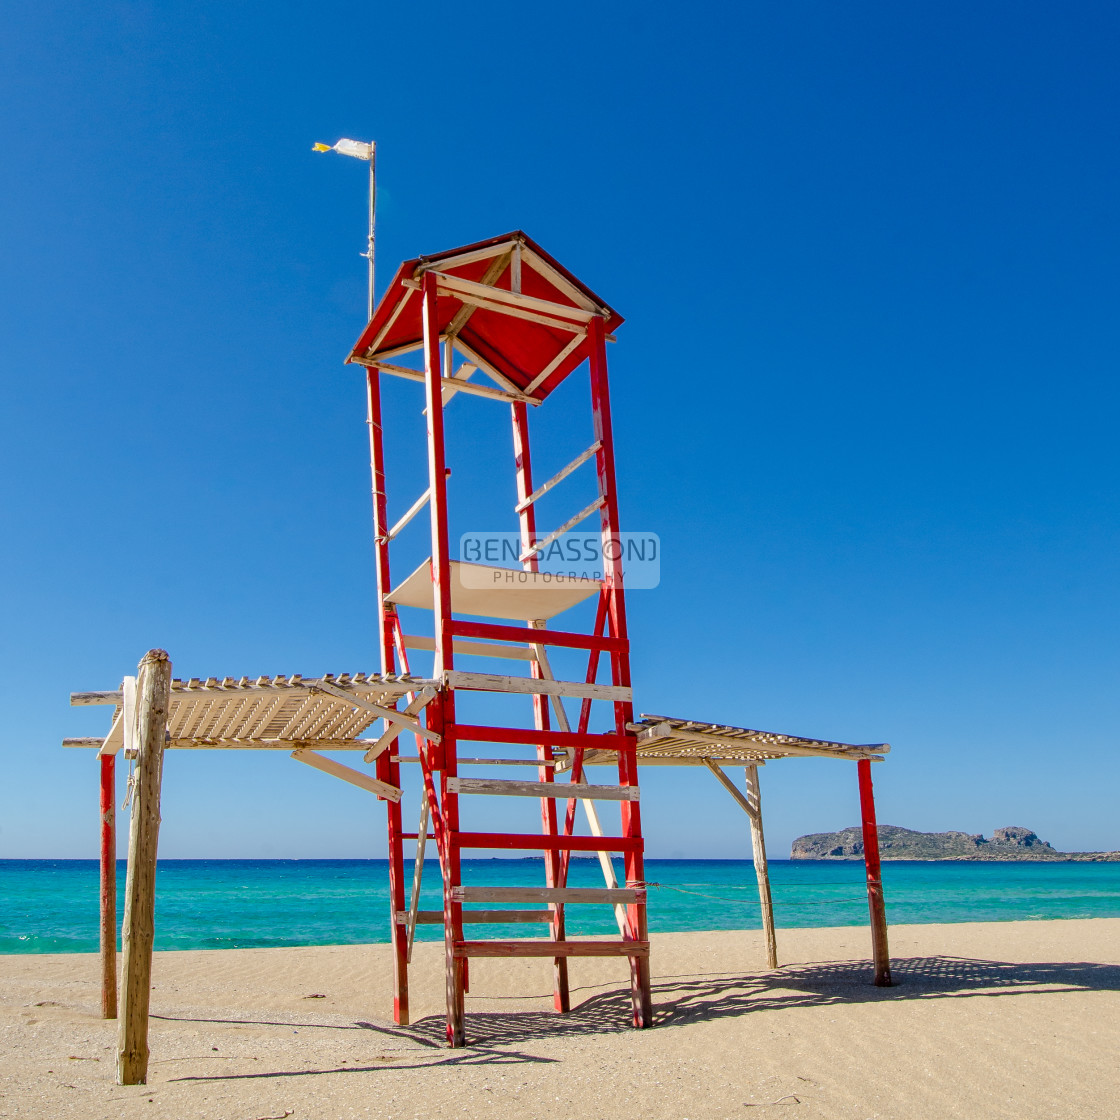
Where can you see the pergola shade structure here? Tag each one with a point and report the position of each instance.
(500, 320)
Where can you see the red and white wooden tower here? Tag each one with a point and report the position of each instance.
(506, 311)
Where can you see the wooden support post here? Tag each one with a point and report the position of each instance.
(417, 876)
(108, 886)
(138, 931)
(761, 869)
(879, 948)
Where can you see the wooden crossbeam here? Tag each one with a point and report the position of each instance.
(513, 299)
(558, 280)
(613, 895)
(490, 370)
(472, 295)
(469, 649)
(551, 949)
(464, 373)
(423, 698)
(411, 512)
(114, 741)
(417, 878)
(501, 633)
(488, 682)
(372, 349)
(347, 774)
(228, 744)
(501, 787)
(535, 762)
(457, 285)
(468, 387)
(490, 277)
(552, 366)
(560, 475)
(732, 788)
(83, 699)
(495, 917)
(519, 842)
(391, 714)
(460, 260)
(556, 534)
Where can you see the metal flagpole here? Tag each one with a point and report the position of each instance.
(368, 151)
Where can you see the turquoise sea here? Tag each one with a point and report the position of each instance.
(50, 906)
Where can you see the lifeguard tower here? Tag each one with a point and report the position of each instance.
(503, 320)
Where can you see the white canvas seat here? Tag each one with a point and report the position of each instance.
(492, 592)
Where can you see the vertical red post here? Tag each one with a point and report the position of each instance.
(108, 886)
(640, 989)
(388, 770)
(444, 655)
(875, 904)
(552, 860)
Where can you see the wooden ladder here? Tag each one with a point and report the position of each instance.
(556, 749)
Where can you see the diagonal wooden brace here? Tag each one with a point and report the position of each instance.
(347, 774)
(408, 723)
(745, 802)
(402, 721)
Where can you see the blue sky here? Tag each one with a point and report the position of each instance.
(866, 390)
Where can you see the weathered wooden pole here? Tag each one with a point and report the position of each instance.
(108, 886)
(761, 868)
(751, 804)
(138, 931)
(879, 949)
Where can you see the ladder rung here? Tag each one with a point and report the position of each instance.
(492, 682)
(502, 787)
(520, 636)
(471, 649)
(525, 736)
(547, 843)
(613, 895)
(547, 762)
(551, 948)
(435, 917)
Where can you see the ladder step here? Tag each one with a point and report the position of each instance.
(548, 843)
(545, 737)
(551, 948)
(612, 895)
(550, 763)
(502, 787)
(435, 917)
(492, 682)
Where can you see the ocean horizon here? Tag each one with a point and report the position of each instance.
(51, 906)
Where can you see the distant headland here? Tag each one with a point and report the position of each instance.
(1011, 843)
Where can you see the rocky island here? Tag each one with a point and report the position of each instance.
(1011, 843)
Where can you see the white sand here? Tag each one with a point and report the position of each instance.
(1016, 1019)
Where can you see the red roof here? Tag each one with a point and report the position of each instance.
(532, 345)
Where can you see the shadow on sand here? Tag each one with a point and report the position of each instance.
(688, 999)
(679, 1000)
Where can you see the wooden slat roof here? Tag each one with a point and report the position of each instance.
(266, 712)
(667, 738)
(521, 350)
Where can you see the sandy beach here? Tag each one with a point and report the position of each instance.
(1015, 1019)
